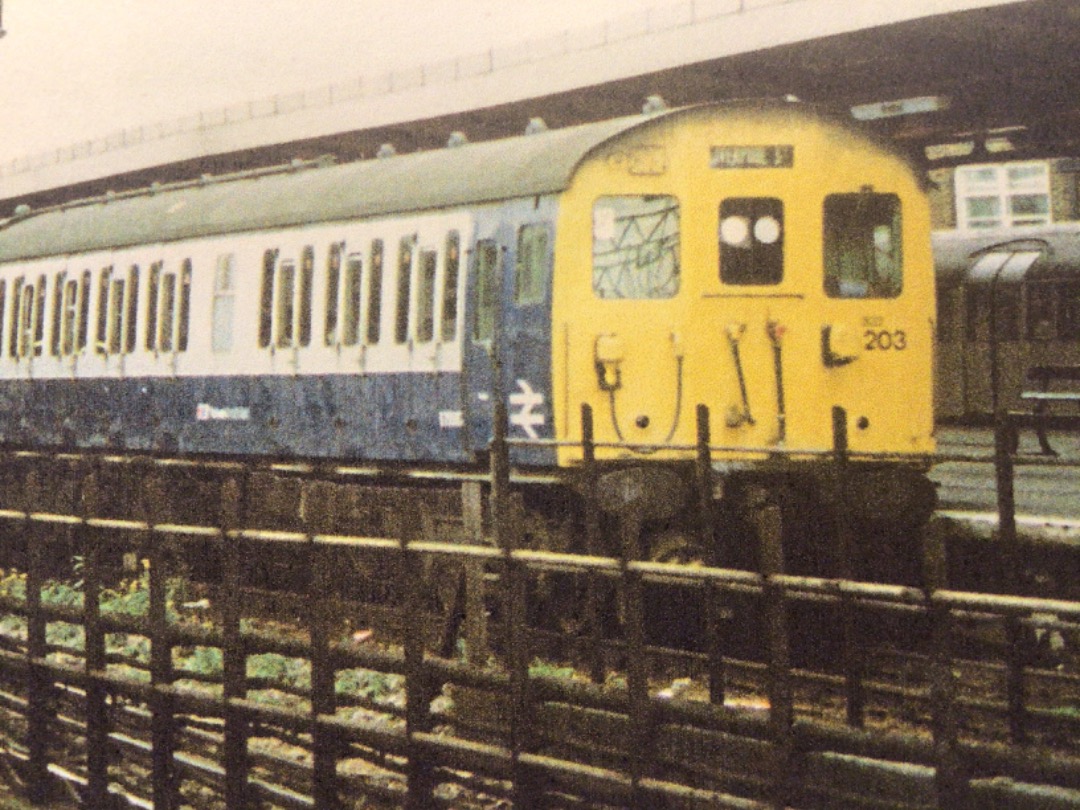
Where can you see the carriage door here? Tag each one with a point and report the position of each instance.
(485, 281)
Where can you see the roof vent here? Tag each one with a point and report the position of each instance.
(155, 187)
(110, 195)
(457, 138)
(387, 150)
(536, 125)
(654, 105)
(22, 210)
(205, 178)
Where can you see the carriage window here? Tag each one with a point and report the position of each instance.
(354, 271)
(487, 265)
(529, 274)
(1006, 312)
(132, 309)
(404, 288)
(168, 308)
(291, 301)
(28, 321)
(57, 313)
(636, 247)
(1069, 312)
(1041, 303)
(375, 285)
(425, 304)
(266, 297)
(307, 276)
(333, 282)
(152, 290)
(16, 316)
(3, 310)
(751, 240)
(450, 286)
(115, 316)
(221, 339)
(862, 246)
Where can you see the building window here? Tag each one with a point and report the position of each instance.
(1003, 195)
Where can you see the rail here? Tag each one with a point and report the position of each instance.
(110, 672)
(443, 72)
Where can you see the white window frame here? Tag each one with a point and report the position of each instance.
(1002, 183)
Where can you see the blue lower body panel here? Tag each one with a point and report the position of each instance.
(386, 417)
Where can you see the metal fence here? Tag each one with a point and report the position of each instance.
(97, 685)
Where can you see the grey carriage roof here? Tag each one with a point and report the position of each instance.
(956, 252)
(526, 165)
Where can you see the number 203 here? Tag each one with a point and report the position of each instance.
(883, 340)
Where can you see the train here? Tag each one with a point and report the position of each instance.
(763, 258)
(1031, 278)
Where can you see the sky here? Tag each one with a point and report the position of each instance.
(73, 70)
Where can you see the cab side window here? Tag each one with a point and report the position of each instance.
(636, 247)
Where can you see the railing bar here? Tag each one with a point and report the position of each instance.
(97, 716)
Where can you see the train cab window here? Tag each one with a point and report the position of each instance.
(451, 276)
(425, 296)
(636, 247)
(751, 240)
(374, 301)
(862, 246)
(354, 270)
(221, 318)
(404, 289)
(530, 272)
(487, 285)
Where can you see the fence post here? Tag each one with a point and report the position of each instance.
(592, 546)
(162, 723)
(419, 770)
(852, 663)
(950, 781)
(637, 670)
(323, 674)
(234, 497)
(781, 706)
(97, 718)
(39, 688)
(1009, 552)
(714, 648)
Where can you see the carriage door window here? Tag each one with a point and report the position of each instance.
(487, 283)
(404, 288)
(224, 295)
(450, 287)
(115, 329)
(70, 310)
(333, 290)
(751, 240)
(862, 245)
(636, 247)
(530, 272)
(374, 301)
(425, 303)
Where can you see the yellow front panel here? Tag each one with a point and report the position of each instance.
(644, 364)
